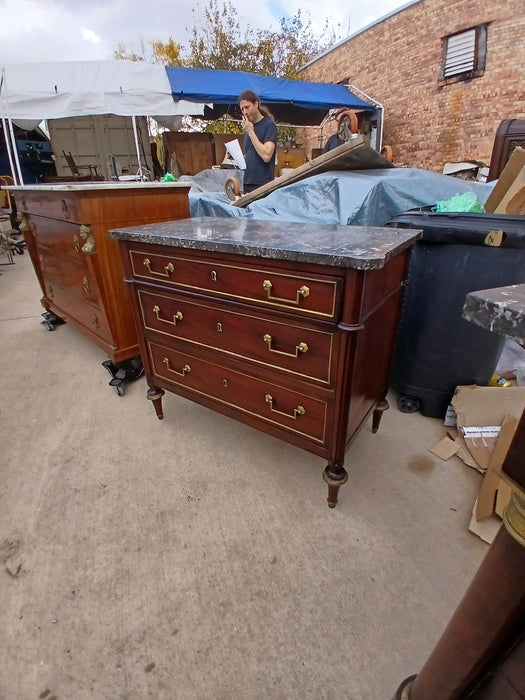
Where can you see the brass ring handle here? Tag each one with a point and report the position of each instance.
(85, 284)
(299, 411)
(94, 321)
(185, 370)
(302, 347)
(302, 292)
(176, 316)
(168, 269)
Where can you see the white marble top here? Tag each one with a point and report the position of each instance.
(102, 185)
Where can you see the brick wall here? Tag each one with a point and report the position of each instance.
(397, 61)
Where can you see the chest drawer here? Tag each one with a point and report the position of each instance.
(270, 402)
(73, 276)
(61, 237)
(304, 294)
(291, 347)
(71, 306)
(63, 208)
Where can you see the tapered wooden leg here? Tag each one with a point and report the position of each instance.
(334, 478)
(155, 396)
(378, 414)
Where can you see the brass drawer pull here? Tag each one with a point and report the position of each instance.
(76, 243)
(168, 269)
(176, 317)
(302, 347)
(303, 292)
(299, 411)
(94, 321)
(85, 284)
(185, 370)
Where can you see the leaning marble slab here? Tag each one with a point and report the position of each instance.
(500, 310)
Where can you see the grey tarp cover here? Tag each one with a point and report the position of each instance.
(360, 197)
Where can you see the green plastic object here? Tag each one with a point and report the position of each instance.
(169, 178)
(466, 202)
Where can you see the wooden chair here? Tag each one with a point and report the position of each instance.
(5, 195)
(76, 169)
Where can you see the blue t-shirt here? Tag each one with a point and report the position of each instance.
(257, 171)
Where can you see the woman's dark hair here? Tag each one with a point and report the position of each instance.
(250, 96)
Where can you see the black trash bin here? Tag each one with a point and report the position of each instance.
(436, 348)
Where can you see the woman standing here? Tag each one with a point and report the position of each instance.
(260, 142)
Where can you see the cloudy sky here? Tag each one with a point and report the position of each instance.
(66, 30)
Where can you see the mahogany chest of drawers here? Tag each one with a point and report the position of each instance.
(286, 327)
(78, 265)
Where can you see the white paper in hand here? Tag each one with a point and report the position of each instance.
(234, 150)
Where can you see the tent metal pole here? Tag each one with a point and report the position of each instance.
(10, 144)
(380, 107)
(135, 133)
(15, 152)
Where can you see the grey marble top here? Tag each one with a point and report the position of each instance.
(500, 310)
(90, 186)
(360, 247)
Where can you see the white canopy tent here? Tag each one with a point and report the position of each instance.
(32, 92)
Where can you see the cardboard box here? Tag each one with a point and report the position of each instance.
(492, 414)
(508, 195)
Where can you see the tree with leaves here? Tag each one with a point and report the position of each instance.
(217, 40)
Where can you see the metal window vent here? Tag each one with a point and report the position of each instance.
(461, 53)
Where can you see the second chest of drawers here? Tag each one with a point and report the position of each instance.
(297, 345)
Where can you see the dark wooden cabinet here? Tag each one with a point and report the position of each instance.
(286, 327)
(78, 265)
(509, 135)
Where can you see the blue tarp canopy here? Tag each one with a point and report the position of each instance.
(291, 101)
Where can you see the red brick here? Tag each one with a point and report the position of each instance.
(397, 61)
